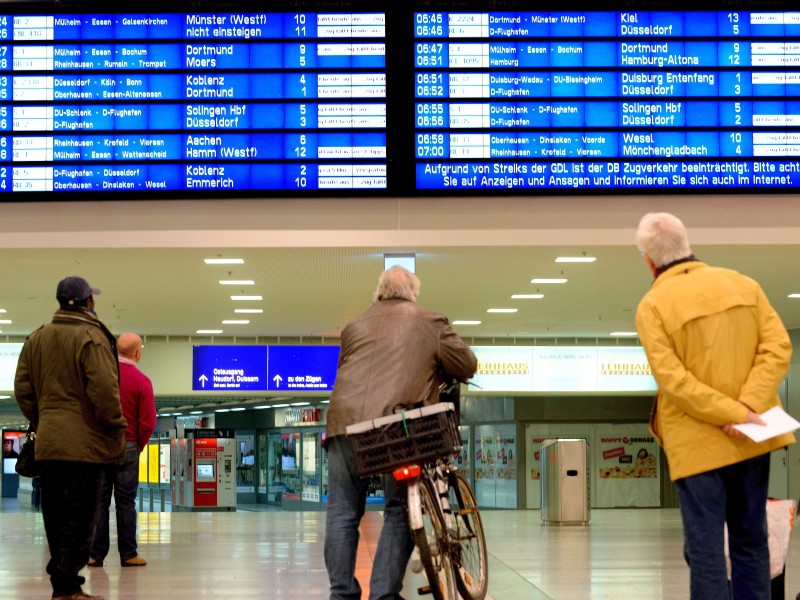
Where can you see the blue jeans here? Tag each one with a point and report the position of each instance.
(70, 496)
(123, 479)
(736, 494)
(347, 496)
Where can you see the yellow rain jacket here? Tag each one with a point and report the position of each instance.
(712, 338)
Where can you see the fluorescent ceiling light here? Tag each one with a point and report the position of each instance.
(623, 333)
(238, 298)
(224, 261)
(300, 403)
(526, 296)
(279, 405)
(5, 321)
(794, 295)
(223, 410)
(5, 397)
(195, 412)
(209, 331)
(262, 407)
(2, 310)
(325, 402)
(556, 280)
(236, 282)
(502, 310)
(238, 409)
(466, 322)
(235, 322)
(254, 311)
(576, 259)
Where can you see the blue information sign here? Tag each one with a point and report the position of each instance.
(302, 368)
(229, 368)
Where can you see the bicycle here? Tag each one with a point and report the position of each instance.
(416, 446)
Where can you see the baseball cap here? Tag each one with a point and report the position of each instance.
(74, 289)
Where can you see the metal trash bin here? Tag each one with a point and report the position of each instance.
(565, 482)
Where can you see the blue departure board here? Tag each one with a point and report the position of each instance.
(358, 98)
(564, 100)
(203, 102)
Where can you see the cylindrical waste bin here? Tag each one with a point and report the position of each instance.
(565, 482)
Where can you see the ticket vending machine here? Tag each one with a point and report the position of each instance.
(203, 468)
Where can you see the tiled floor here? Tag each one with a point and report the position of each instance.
(622, 554)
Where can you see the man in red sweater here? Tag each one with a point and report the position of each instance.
(139, 408)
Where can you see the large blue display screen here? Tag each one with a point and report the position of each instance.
(566, 100)
(356, 97)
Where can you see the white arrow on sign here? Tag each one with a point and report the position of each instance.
(277, 379)
(202, 379)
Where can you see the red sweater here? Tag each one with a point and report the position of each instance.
(138, 402)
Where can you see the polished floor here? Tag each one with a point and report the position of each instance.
(622, 554)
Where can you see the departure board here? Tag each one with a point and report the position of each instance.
(196, 102)
(427, 97)
(622, 100)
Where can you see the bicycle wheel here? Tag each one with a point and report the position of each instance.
(432, 541)
(469, 557)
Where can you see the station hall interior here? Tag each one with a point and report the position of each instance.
(316, 262)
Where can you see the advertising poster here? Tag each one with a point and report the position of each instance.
(627, 457)
(626, 466)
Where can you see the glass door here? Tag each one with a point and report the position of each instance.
(271, 467)
(311, 466)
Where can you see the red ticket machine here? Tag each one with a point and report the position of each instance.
(204, 471)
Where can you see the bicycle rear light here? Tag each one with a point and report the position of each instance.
(404, 473)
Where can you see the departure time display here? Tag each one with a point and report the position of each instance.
(452, 98)
(607, 100)
(195, 102)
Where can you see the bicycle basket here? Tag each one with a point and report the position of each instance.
(410, 437)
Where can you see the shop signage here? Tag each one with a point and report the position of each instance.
(9, 356)
(563, 369)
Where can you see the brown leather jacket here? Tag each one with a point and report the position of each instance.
(394, 355)
(67, 385)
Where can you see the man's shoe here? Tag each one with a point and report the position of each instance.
(136, 561)
(79, 595)
(95, 562)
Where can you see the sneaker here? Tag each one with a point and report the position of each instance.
(136, 561)
(95, 562)
(79, 595)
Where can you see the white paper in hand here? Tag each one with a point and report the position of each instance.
(777, 421)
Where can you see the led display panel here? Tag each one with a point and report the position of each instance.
(360, 98)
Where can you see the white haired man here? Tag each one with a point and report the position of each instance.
(394, 355)
(718, 351)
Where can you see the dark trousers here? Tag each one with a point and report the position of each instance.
(736, 494)
(70, 497)
(123, 481)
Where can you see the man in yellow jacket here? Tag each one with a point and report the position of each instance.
(718, 351)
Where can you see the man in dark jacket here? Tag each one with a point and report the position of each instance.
(67, 386)
(392, 356)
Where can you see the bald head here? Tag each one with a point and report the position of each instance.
(129, 345)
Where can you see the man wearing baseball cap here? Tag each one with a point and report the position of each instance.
(67, 386)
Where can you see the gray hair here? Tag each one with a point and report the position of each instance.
(397, 283)
(663, 238)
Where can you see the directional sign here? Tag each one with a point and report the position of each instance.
(229, 368)
(302, 368)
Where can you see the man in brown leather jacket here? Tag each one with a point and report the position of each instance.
(392, 356)
(67, 385)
